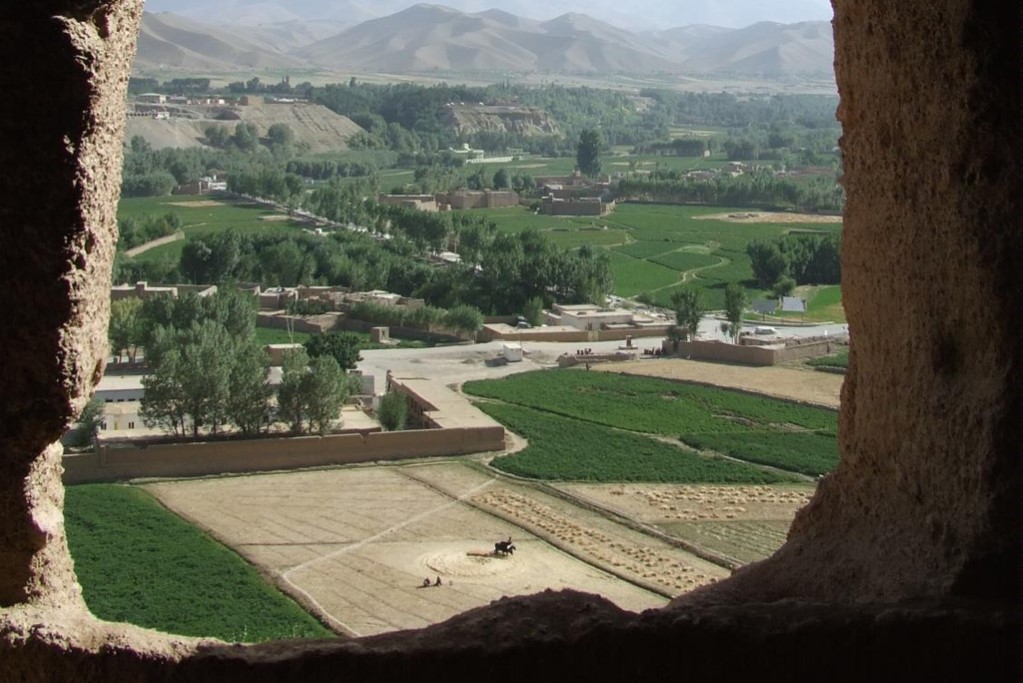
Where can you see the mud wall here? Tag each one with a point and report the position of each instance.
(119, 462)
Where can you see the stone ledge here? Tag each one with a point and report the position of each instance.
(576, 636)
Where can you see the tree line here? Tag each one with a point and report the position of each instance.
(757, 189)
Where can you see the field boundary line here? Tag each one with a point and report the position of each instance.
(285, 575)
(551, 539)
(400, 525)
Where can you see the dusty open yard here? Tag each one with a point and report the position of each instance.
(356, 544)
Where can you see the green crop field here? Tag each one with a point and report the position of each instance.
(141, 564)
(646, 250)
(573, 238)
(267, 335)
(652, 245)
(757, 429)
(809, 453)
(825, 303)
(685, 261)
(635, 276)
(566, 232)
(212, 216)
(838, 360)
(647, 404)
(565, 449)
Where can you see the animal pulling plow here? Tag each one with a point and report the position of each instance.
(501, 549)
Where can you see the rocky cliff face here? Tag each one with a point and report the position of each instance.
(466, 119)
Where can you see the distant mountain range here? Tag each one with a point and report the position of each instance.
(426, 38)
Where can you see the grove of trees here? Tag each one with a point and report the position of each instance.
(207, 372)
(803, 259)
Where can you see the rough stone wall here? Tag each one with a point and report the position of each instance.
(925, 500)
(63, 72)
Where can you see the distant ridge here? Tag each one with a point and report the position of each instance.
(170, 41)
(434, 38)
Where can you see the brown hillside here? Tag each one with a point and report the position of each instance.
(313, 124)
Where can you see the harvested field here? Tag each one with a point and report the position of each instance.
(739, 524)
(769, 217)
(355, 544)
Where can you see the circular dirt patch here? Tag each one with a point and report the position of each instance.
(454, 563)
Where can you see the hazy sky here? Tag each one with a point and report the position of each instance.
(660, 14)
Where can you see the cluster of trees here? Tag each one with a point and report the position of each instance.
(279, 138)
(732, 111)
(282, 87)
(311, 392)
(758, 189)
(793, 260)
(207, 371)
(462, 320)
(680, 147)
(393, 411)
(515, 268)
(136, 230)
(326, 169)
(175, 86)
(498, 273)
(688, 308)
(410, 118)
(151, 173)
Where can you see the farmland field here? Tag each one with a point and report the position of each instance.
(754, 429)
(739, 524)
(634, 276)
(360, 557)
(203, 215)
(652, 245)
(646, 404)
(137, 562)
(838, 360)
(686, 260)
(566, 449)
(825, 303)
(566, 232)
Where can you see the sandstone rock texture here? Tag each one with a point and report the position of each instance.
(903, 566)
(64, 67)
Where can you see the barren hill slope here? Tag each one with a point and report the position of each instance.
(768, 48)
(425, 38)
(428, 37)
(314, 125)
(170, 41)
